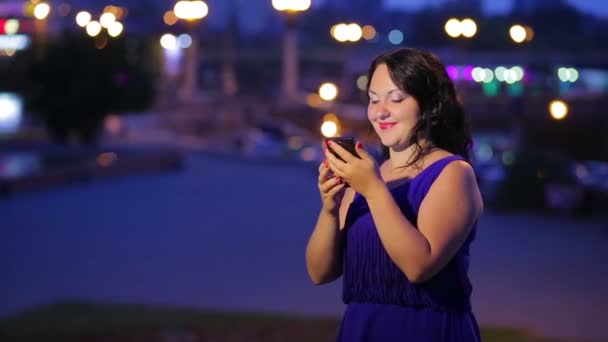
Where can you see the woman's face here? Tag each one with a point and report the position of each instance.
(392, 112)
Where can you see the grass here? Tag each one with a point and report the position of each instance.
(85, 321)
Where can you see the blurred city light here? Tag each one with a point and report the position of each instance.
(330, 126)
(452, 28)
(118, 12)
(484, 152)
(115, 29)
(11, 109)
(368, 32)
(14, 42)
(395, 37)
(518, 73)
(362, 82)
(308, 154)
(328, 91)
(558, 109)
(106, 159)
(468, 27)
(83, 18)
(567, 74)
(107, 19)
(168, 41)
(42, 10)
(500, 73)
(93, 28)
(291, 5)
(329, 129)
(482, 75)
(11, 26)
(184, 41)
(508, 158)
(191, 10)
(346, 32)
(314, 100)
(517, 33)
(455, 28)
(170, 19)
(295, 142)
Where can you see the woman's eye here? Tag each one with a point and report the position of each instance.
(399, 100)
(374, 101)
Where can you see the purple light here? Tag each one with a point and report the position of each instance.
(467, 72)
(452, 72)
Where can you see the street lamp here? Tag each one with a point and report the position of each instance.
(328, 91)
(456, 28)
(290, 50)
(558, 109)
(521, 33)
(192, 12)
(346, 32)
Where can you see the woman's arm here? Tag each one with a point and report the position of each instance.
(445, 219)
(324, 249)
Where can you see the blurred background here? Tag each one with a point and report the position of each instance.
(158, 161)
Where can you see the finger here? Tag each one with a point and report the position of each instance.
(329, 184)
(334, 162)
(361, 151)
(322, 165)
(341, 151)
(336, 189)
(336, 172)
(323, 171)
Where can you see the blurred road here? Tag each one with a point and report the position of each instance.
(231, 234)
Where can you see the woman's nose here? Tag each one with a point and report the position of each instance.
(382, 113)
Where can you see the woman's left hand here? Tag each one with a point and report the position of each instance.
(362, 174)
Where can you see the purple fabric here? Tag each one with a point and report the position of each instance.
(382, 304)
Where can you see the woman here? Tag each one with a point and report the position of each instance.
(399, 234)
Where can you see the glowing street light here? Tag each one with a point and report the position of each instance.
(93, 28)
(290, 49)
(115, 29)
(192, 12)
(456, 28)
(558, 109)
(521, 33)
(291, 5)
(330, 127)
(469, 28)
(83, 18)
(168, 41)
(42, 10)
(452, 28)
(328, 91)
(107, 19)
(346, 32)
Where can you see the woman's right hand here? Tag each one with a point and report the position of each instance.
(331, 189)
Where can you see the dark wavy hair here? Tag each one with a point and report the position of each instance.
(442, 119)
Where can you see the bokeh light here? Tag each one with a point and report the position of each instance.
(328, 91)
(558, 109)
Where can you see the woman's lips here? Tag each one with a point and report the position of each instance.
(387, 125)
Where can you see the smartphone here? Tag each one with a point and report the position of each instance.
(346, 142)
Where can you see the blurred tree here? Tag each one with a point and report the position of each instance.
(79, 81)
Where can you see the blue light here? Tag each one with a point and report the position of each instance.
(395, 37)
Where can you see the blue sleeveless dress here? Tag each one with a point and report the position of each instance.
(382, 305)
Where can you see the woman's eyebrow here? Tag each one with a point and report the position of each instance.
(387, 93)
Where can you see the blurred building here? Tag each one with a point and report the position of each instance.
(530, 6)
(472, 6)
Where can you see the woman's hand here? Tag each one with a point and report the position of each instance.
(362, 174)
(331, 189)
